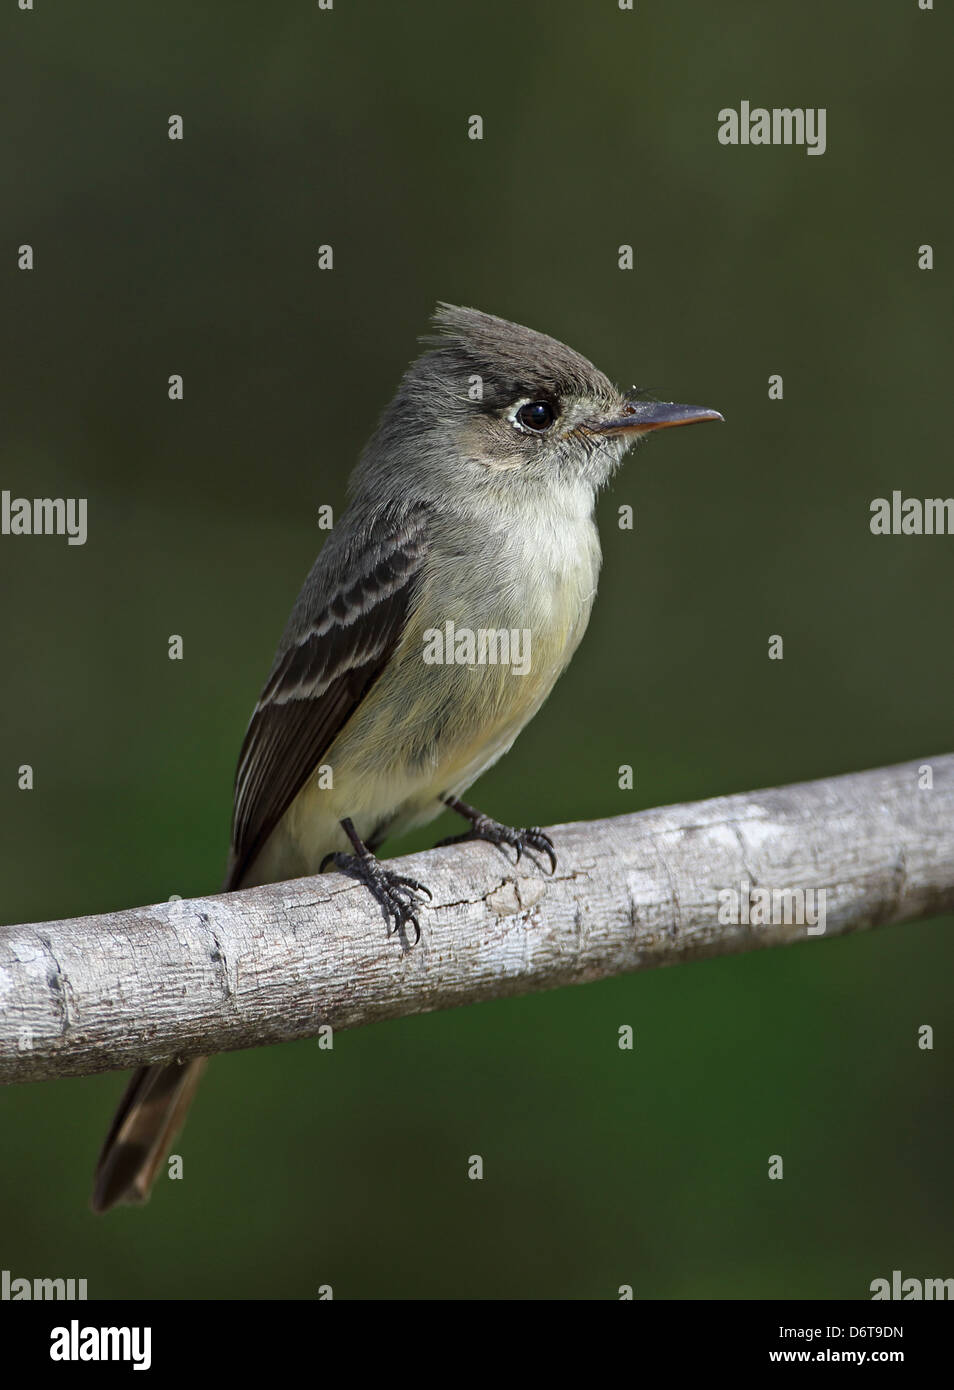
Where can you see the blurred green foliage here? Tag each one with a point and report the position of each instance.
(349, 127)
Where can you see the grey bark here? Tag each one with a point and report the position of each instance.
(207, 975)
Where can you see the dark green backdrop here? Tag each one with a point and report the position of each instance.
(199, 257)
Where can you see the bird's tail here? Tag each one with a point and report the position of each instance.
(150, 1115)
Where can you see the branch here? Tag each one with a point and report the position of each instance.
(209, 975)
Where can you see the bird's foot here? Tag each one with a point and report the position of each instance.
(483, 828)
(398, 895)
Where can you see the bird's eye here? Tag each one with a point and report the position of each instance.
(536, 415)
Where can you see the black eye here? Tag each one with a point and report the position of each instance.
(536, 415)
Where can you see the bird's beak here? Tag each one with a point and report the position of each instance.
(639, 417)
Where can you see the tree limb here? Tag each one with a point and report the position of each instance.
(207, 975)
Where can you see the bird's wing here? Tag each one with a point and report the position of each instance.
(347, 622)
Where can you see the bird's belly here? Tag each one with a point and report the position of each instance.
(446, 707)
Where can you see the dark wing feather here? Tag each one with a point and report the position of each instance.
(348, 620)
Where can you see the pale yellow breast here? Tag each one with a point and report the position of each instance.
(426, 729)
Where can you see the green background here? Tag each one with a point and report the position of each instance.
(603, 1167)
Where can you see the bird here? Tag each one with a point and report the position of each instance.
(470, 518)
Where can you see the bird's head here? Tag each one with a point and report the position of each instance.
(513, 406)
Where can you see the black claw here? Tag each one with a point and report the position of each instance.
(413, 883)
(538, 839)
(494, 833)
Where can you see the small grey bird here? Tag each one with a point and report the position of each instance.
(469, 538)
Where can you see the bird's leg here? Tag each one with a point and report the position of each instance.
(483, 828)
(396, 894)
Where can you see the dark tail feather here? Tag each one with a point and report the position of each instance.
(150, 1115)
